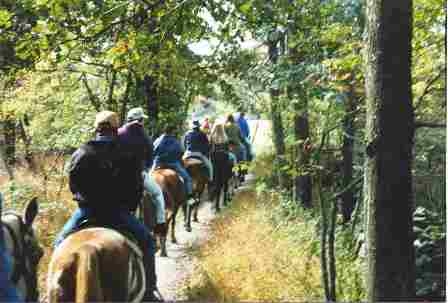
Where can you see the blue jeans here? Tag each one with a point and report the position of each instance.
(178, 167)
(157, 197)
(122, 219)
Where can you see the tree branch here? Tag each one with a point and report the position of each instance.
(427, 89)
(419, 124)
(92, 96)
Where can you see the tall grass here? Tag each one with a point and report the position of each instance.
(49, 185)
(266, 248)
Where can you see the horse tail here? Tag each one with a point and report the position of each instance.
(88, 282)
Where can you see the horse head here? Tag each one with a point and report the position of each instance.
(22, 245)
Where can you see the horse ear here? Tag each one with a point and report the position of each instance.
(30, 212)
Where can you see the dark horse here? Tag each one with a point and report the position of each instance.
(195, 168)
(223, 167)
(175, 197)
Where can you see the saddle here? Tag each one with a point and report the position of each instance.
(196, 160)
(94, 222)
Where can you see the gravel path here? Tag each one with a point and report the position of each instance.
(178, 266)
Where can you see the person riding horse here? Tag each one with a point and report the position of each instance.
(106, 182)
(133, 138)
(245, 132)
(8, 293)
(168, 153)
(197, 146)
(235, 138)
(132, 135)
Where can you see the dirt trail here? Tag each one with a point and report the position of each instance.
(174, 270)
(178, 266)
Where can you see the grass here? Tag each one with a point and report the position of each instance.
(250, 259)
(55, 204)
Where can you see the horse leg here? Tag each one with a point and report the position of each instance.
(173, 225)
(225, 190)
(195, 209)
(162, 238)
(218, 197)
(187, 216)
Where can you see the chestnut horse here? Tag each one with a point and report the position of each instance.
(195, 168)
(21, 244)
(96, 264)
(175, 197)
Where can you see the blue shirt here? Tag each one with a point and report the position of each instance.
(167, 149)
(244, 126)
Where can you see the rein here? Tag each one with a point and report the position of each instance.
(21, 255)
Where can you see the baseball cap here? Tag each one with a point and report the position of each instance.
(195, 123)
(135, 113)
(107, 117)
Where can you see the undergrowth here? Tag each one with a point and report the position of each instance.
(49, 185)
(266, 248)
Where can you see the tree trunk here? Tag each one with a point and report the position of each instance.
(27, 143)
(390, 134)
(277, 124)
(302, 182)
(348, 200)
(9, 132)
(152, 103)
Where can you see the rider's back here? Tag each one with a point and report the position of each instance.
(105, 177)
(167, 149)
(196, 141)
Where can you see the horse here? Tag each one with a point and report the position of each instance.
(96, 264)
(195, 168)
(22, 245)
(175, 197)
(223, 165)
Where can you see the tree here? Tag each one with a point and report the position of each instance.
(389, 134)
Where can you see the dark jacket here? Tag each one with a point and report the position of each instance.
(105, 177)
(167, 149)
(197, 141)
(132, 137)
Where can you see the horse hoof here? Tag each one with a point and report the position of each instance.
(163, 254)
(188, 228)
(195, 220)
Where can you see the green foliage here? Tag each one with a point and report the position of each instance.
(429, 229)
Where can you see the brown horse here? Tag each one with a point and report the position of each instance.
(195, 168)
(21, 244)
(96, 264)
(175, 197)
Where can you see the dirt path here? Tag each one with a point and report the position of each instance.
(178, 266)
(174, 270)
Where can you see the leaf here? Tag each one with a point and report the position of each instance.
(5, 19)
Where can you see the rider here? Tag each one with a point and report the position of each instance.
(133, 138)
(8, 293)
(205, 127)
(196, 145)
(132, 134)
(168, 152)
(245, 132)
(220, 142)
(235, 137)
(106, 182)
